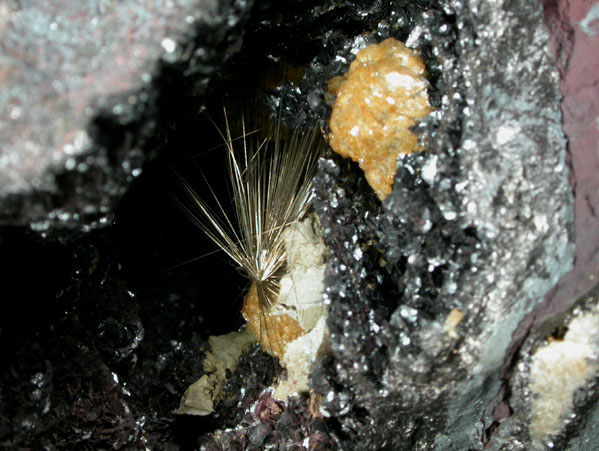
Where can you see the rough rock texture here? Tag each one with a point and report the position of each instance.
(481, 223)
(81, 106)
(574, 37)
(104, 340)
(574, 27)
(80, 369)
(554, 385)
(271, 424)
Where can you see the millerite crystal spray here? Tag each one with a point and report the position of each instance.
(270, 174)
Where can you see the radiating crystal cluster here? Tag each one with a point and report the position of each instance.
(299, 306)
(294, 328)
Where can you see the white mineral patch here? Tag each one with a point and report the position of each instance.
(301, 288)
(301, 298)
(395, 79)
(558, 370)
(298, 359)
(507, 133)
(225, 350)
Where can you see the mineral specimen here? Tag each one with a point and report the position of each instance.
(294, 329)
(382, 96)
(225, 351)
(299, 305)
(80, 99)
(437, 311)
(558, 370)
(274, 332)
(478, 225)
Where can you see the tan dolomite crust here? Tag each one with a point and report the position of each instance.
(376, 103)
(273, 332)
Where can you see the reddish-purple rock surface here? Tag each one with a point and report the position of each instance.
(574, 29)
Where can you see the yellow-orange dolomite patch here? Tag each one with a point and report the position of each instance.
(376, 103)
(273, 332)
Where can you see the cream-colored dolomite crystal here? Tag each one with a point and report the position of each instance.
(299, 356)
(376, 102)
(302, 286)
(558, 370)
(225, 350)
(301, 297)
